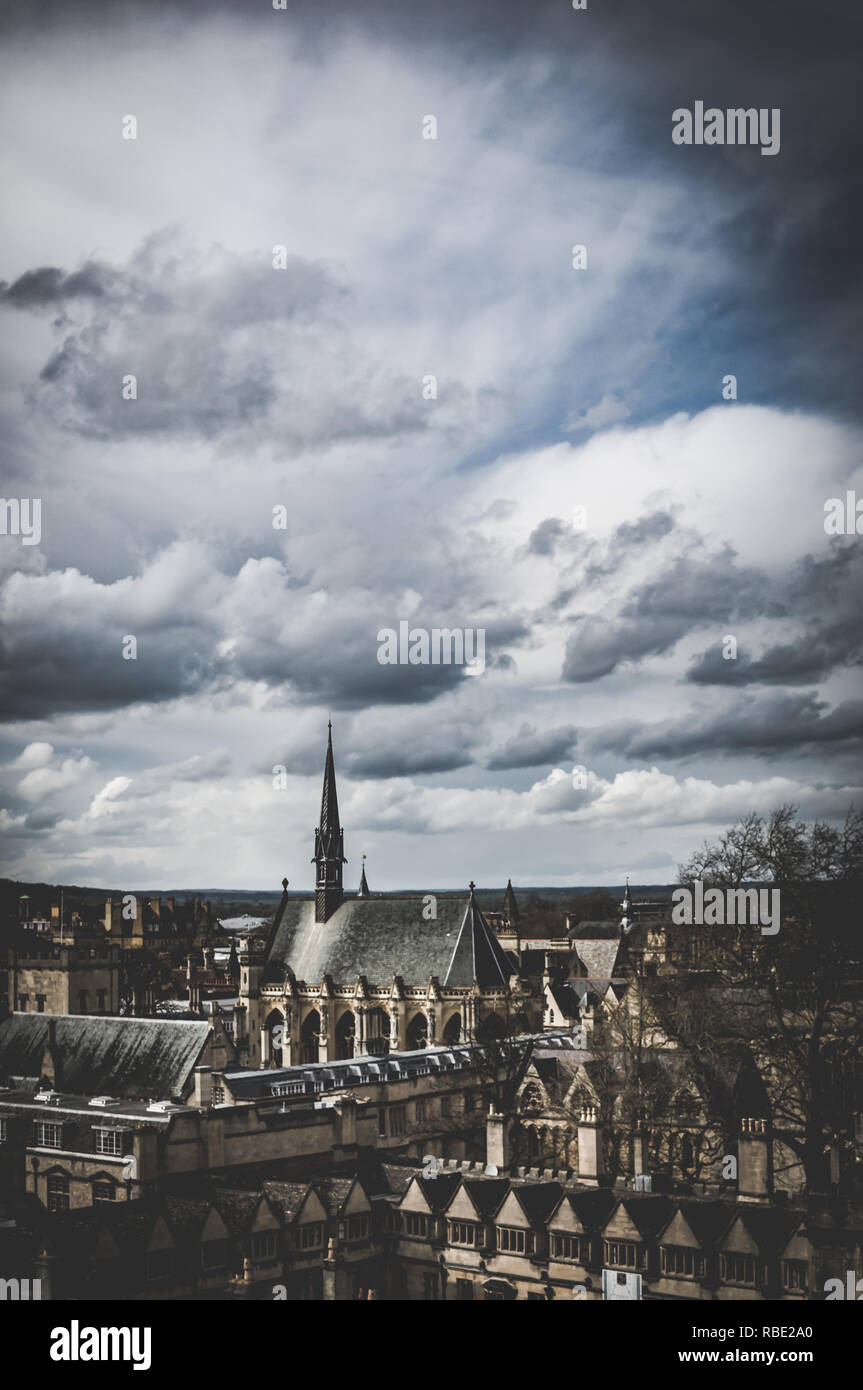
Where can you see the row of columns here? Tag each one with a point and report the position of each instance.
(396, 1027)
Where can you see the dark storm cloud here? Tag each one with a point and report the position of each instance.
(644, 532)
(824, 595)
(544, 537)
(691, 592)
(439, 755)
(49, 287)
(529, 748)
(776, 723)
(790, 222)
(217, 343)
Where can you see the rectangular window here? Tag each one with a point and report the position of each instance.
(3, 1129)
(264, 1245)
(464, 1290)
(431, 1288)
(680, 1263)
(23, 1000)
(737, 1269)
(415, 1223)
(397, 1119)
(462, 1232)
(102, 996)
(103, 1192)
(619, 1254)
(312, 1235)
(40, 1003)
(513, 1241)
(48, 1136)
(82, 1001)
(795, 1275)
(420, 1111)
(218, 1095)
(568, 1247)
(58, 1192)
(357, 1228)
(109, 1141)
(445, 1105)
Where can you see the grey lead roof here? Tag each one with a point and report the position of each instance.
(374, 937)
(128, 1058)
(478, 955)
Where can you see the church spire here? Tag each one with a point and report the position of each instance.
(363, 890)
(329, 853)
(510, 906)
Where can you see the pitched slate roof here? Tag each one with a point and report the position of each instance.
(708, 1221)
(649, 1214)
(538, 1200)
(128, 1058)
(606, 930)
(375, 937)
(478, 955)
(599, 958)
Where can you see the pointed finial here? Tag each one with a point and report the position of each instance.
(471, 885)
(285, 884)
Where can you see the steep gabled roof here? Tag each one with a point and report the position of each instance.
(127, 1058)
(478, 956)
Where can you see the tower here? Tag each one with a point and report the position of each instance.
(627, 921)
(363, 890)
(329, 853)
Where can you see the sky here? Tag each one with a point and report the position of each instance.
(282, 259)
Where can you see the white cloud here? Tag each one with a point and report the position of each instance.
(45, 781)
(607, 411)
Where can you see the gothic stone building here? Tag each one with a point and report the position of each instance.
(348, 975)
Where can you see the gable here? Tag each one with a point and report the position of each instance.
(414, 1198)
(563, 1218)
(214, 1227)
(679, 1232)
(739, 1240)
(461, 1206)
(311, 1208)
(357, 1200)
(160, 1237)
(511, 1213)
(265, 1218)
(620, 1226)
(798, 1247)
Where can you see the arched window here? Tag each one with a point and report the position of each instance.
(275, 1026)
(492, 1026)
(452, 1031)
(377, 1031)
(309, 1036)
(531, 1099)
(418, 1031)
(346, 1029)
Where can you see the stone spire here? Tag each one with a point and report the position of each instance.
(329, 853)
(363, 890)
(627, 921)
(510, 906)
